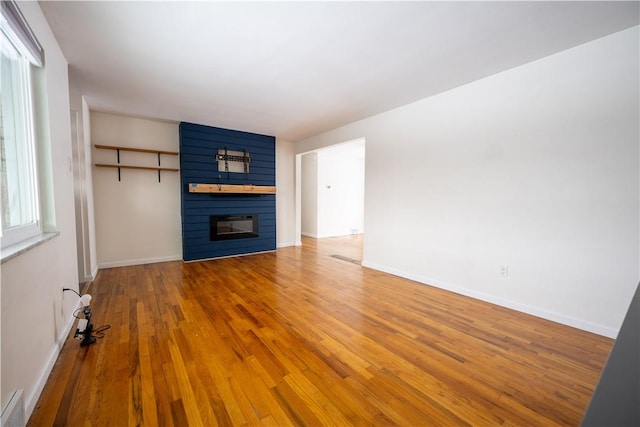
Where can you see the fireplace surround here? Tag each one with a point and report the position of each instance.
(225, 211)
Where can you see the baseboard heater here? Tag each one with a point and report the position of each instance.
(13, 413)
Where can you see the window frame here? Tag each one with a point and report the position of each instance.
(20, 46)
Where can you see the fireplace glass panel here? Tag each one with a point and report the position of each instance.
(226, 227)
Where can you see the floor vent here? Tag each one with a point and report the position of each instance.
(13, 413)
(346, 258)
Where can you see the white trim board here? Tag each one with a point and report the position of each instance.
(285, 244)
(32, 399)
(128, 263)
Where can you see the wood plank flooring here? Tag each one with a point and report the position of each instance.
(299, 337)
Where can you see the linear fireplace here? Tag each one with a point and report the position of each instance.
(227, 227)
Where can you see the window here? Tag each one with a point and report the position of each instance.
(18, 178)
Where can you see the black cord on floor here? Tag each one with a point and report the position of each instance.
(99, 332)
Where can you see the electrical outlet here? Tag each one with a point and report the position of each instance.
(503, 271)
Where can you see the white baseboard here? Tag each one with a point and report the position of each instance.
(503, 302)
(285, 244)
(312, 235)
(94, 273)
(32, 399)
(86, 279)
(90, 278)
(328, 236)
(127, 263)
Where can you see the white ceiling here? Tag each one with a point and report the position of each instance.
(295, 69)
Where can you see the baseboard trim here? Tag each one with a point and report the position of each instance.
(94, 273)
(328, 236)
(503, 302)
(32, 399)
(314, 236)
(285, 244)
(127, 263)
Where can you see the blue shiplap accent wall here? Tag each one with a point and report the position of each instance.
(198, 147)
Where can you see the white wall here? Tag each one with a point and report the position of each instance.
(137, 219)
(285, 193)
(340, 192)
(535, 168)
(36, 315)
(309, 195)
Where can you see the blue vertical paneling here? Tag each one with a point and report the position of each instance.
(198, 147)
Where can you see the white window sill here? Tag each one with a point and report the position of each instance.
(18, 249)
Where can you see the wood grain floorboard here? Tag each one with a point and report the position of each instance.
(305, 336)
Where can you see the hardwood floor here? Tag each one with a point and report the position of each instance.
(298, 337)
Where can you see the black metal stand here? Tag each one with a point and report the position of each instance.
(88, 338)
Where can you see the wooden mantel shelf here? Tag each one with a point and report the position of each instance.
(232, 189)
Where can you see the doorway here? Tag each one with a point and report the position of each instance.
(330, 194)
